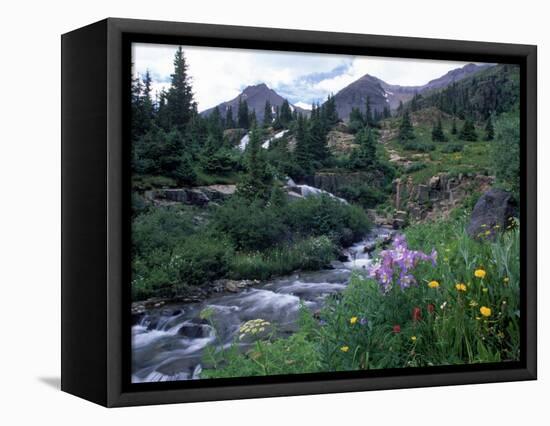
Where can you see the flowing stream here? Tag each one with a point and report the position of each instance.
(168, 342)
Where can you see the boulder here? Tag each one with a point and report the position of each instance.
(194, 330)
(492, 212)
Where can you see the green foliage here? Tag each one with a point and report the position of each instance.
(506, 152)
(364, 195)
(229, 120)
(294, 355)
(268, 114)
(418, 146)
(489, 130)
(364, 157)
(406, 131)
(243, 115)
(452, 147)
(325, 215)
(491, 91)
(468, 132)
(311, 253)
(437, 132)
(180, 105)
(249, 225)
(257, 182)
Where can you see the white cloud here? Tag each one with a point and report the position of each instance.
(220, 74)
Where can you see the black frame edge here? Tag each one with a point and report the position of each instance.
(83, 213)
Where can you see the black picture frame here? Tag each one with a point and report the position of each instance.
(95, 211)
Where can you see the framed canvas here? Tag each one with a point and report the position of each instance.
(255, 212)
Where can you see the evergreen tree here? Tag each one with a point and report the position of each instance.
(277, 125)
(437, 132)
(406, 130)
(329, 111)
(489, 130)
(302, 154)
(364, 156)
(468, 132)
(278, 198)
(387, 112)
(369, 119)
(229, 121)
(162, 116)
(400, 108)
(356, 120)
(252, 121)
(285, 114)
(215, 125)
(454, 130)
(242, 115)
(256, 184)
(268, 114)
(318, 146)
(184, 173)
(180, 104)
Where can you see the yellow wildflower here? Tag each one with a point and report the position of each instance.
(353, 320)
(485, 311)
(506, 280)
(484, 290)
(480, 273)
(461, 287)
(487, 232)
(433, 284)
(413, 338)
(344, 348)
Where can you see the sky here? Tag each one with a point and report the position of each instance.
(220, 74)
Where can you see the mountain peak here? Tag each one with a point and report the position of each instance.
(256, 96)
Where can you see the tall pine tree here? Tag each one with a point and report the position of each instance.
(437, 132)
(179, 99)
(257, 182)
(268, 114)
(242, 114)
(229, 121)
(468, 132)
(406, 130)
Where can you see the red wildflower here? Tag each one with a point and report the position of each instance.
(431, 308)
(417, 314)
(397, 328)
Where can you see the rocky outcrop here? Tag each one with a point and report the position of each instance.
(493, 212)
(198, 196)
(440, 194)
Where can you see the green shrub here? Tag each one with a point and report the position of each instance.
(196, 260)
(414, 145)
(415, 167)
(452, 147)
(364, 195)
(325, 215)
(160, 228)
(309, 254)
(249, 226)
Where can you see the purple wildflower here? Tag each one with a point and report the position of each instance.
(397, 263)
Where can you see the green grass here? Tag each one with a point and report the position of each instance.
(475, 157)
(309, 254)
